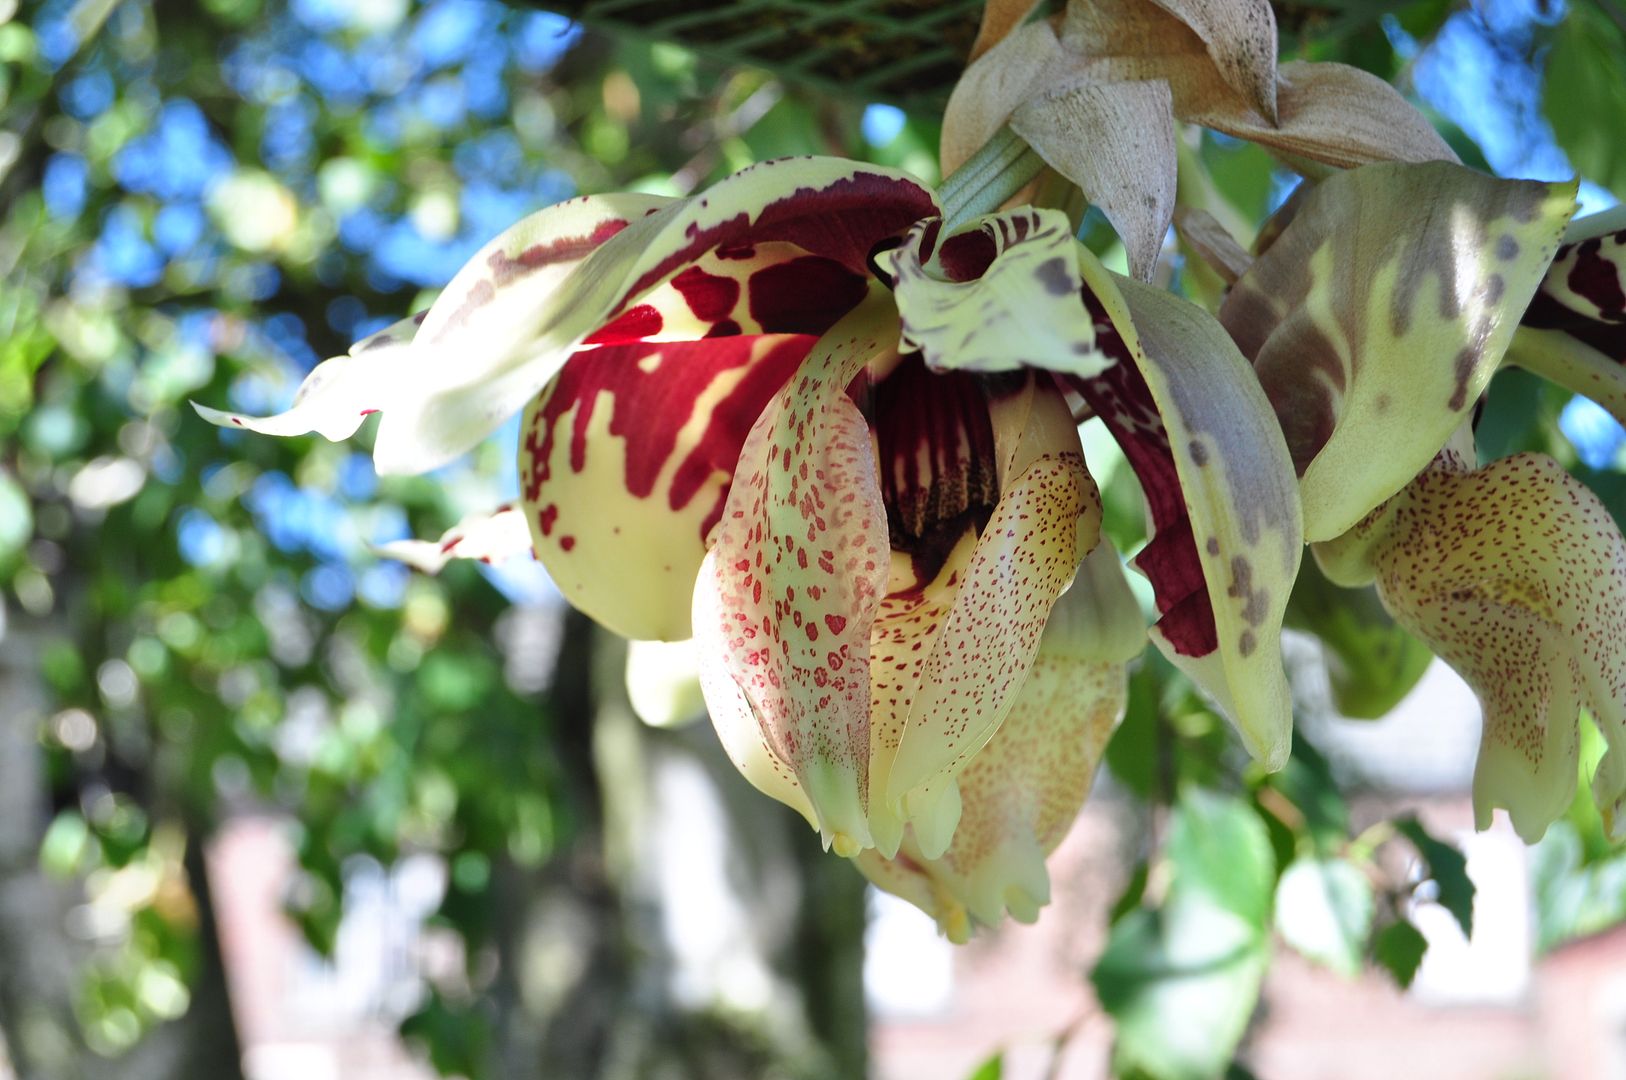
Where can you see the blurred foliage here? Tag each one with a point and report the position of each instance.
(203, 197)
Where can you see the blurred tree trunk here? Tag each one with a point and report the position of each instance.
(587, 986)
(40, 963)
(37, 959)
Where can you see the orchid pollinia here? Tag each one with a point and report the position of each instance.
(825, 421)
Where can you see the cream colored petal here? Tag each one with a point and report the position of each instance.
(1379, 314)
(1021, 793)
(1515, 575)
(999, 294)
(1027, 554)
(491, 537)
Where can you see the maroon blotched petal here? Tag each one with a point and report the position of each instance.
(625, 466)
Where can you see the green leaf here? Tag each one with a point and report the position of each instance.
(1585, 98)
(16, 517)
(992, 1069)
(1324, 910)
(1219, 848)
(1371, 661)
(1134, 891)
(1398, 949)
(1181, 980)
(1447, 868)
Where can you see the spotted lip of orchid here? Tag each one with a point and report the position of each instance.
(1013, 290)
(1515, 575)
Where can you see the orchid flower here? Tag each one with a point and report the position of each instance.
(1515, 575)
(869, 502)
(1023, 790)
(1097, 89)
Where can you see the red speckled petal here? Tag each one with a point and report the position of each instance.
(625, 461)
(906, 625)
(1515, 575)
(1026, 555)
(739, 728)
(1021, 792)
(796, 577)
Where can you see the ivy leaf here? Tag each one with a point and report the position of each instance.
(1448, 870)
(1398, 949)
(1585, 97)
(1324, 910)
(1181, 980)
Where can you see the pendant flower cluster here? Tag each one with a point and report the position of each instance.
(825, 425)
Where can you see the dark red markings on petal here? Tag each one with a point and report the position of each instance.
(1123, 401)
(806, 295)
(635, 324)
(937, 458)
(1595, 276)
(710, 296)
(841, 221)
(731, 419)
(967, 256)
(653, 390)
(506, 268)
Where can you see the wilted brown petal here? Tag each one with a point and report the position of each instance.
(999, 18)
(1216, 247)
(1332, 114)
(1116, 142)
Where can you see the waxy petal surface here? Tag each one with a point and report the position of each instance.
(789, 592)
(505, 281)
(625, 460)
(491, 537)
(1515, 575)
(1024, 558)
(485, 351)
(1022, 791)
(1379, 314)
(999, 294)
(1219, 485)
(1575, 329)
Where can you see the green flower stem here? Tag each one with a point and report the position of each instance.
(1004, 166)
(1560, 358)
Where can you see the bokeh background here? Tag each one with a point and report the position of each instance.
(273, 807)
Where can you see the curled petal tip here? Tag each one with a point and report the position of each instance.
(955, 923)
